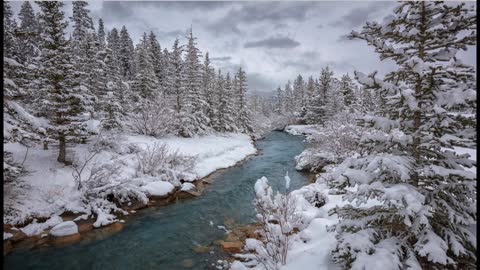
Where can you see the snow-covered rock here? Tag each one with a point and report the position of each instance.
(159, 188)
(188, 187)
(64, 229)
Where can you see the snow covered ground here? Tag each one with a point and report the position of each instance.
(49, 188)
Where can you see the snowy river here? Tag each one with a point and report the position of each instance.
(164, 237)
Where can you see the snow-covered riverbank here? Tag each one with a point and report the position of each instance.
(311, 247)
(49, 189)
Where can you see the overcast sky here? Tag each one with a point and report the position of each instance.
(272, 41)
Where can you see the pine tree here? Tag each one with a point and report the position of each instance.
(288, 98)
(115, 100)
(27, 33)
(125, 54)
(243, 122)
(145, 84)
(83, 51)
(156, 59)
(113, 41)
(208, 89)
(193, 118)
(317, 109)
(226, 112)
(347, 90)
(425, 219)
(12, 68)
(299, 92)
(101, 35)
(175, 73)
(279, 96)
(164, 73)
(64, 105)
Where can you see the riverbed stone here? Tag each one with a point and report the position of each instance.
(229, 222)
(232, 238)
(7, 247)
(202, 249)
(85, 226)
(232, 247)
(67, 240)
(187, 263)
(18, 236)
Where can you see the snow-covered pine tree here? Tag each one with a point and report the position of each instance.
(316, 112)
(175, 73)
(193, 118)
(243, 121)
(115, 101)
(347, 90)
(64, 105)
(125, 55)
(101, 35)
(83, 46)
(226, 113)
(279, 96)
(208, 89)
(113, 42)
(427, 211)
(218, 89)
(334, 100)
(299, 92)
(288, 98)
(27, 33)
(164, 73)
(157, 61)
(12, 67)
(145, 82)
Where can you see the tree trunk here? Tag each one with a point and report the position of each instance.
(61, 149)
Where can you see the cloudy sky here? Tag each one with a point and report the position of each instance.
(272, 41)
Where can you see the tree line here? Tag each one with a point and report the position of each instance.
(92, 73)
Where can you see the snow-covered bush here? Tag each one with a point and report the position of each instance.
(158, 160)
(277, 214)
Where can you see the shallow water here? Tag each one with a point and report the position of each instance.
(163, 237)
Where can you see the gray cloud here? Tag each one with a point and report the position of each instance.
(170, 34)
(273, 42)
(259, 82)
(319, 26)
(358, 16)
(257, 12)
